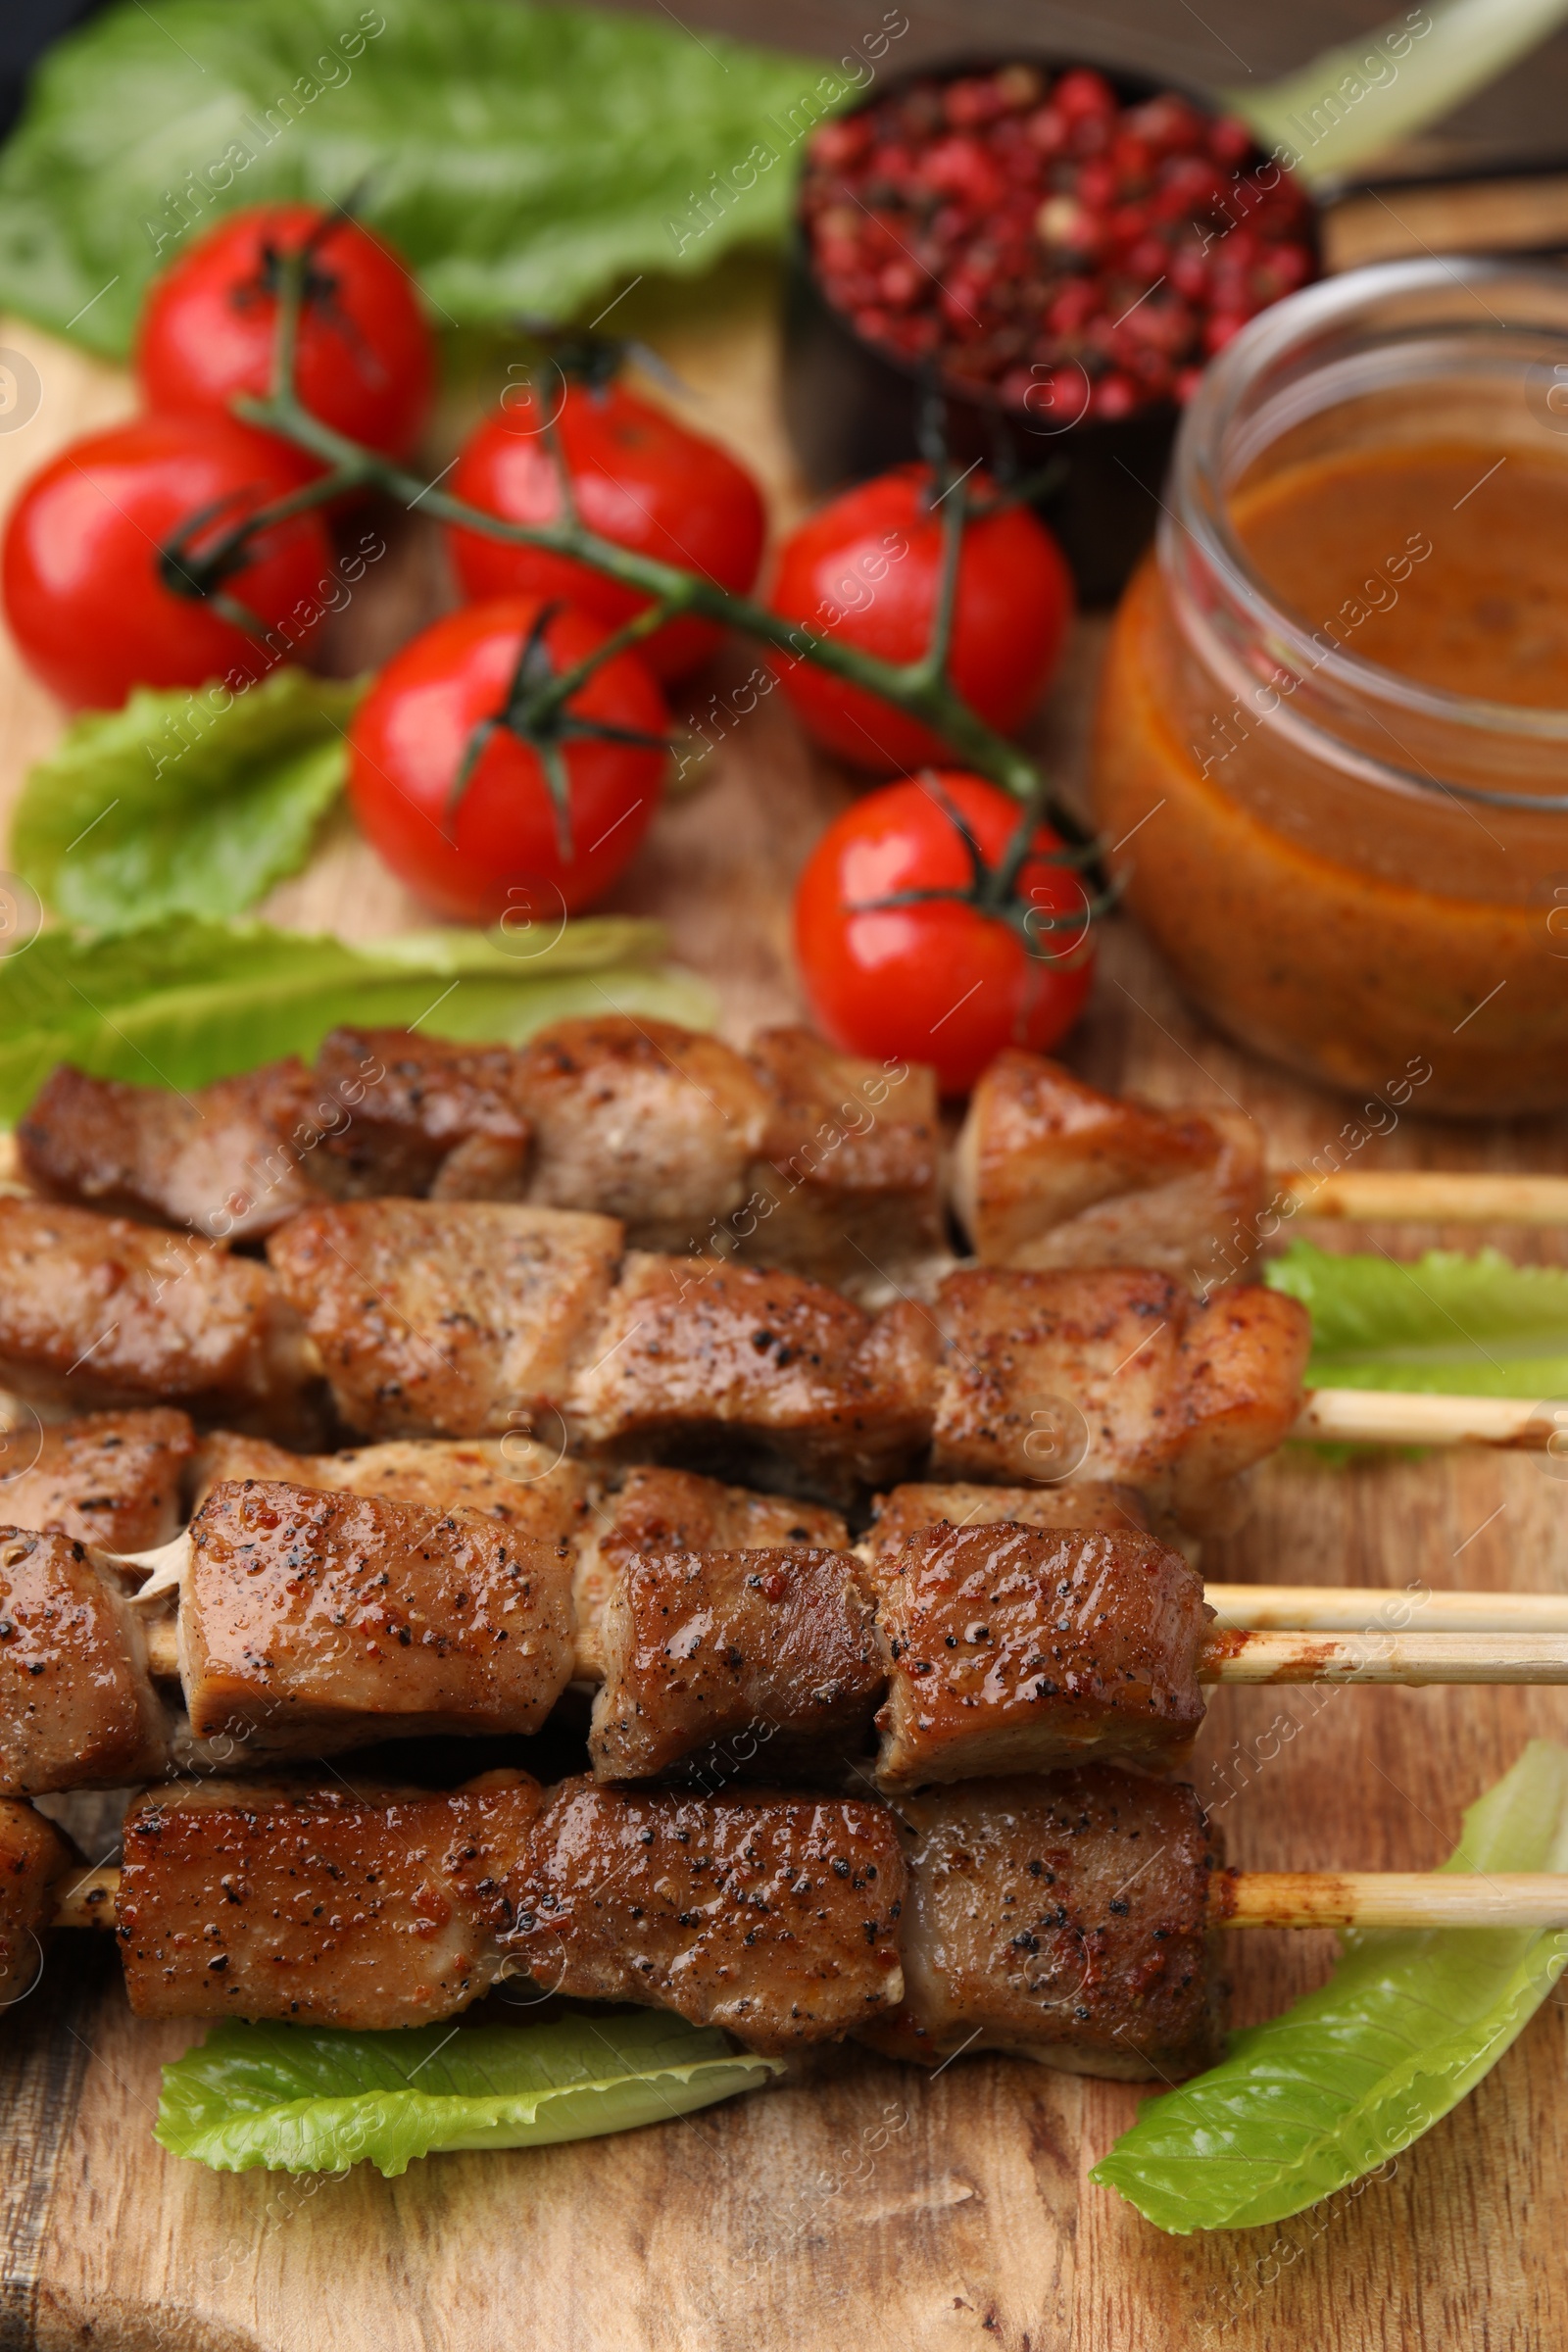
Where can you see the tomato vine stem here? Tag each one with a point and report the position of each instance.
(922, 688)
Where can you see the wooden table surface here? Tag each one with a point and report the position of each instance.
(860, 2201)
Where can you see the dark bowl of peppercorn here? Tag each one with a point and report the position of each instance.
(1056, 253)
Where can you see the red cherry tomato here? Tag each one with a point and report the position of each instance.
(366, 361)
(865, 568)
(84, 595)
(939, 981)
(496, 856)
(638, 477)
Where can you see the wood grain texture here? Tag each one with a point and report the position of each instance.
(858, 2200)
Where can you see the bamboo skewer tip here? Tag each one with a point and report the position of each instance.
(1364, 1898)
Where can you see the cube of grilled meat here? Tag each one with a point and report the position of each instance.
(423, 1115)
(1170, 1393)
(1011, 1649)
(848, 1184)
(774, 1917)
(706, 1363)
(1063, 1919)
(77, 1705)
(727, 1662)
(224, 1161)
(640, 1511)
(1091, 1502)
(1051, 1172)
(112, 1479)
(95, 1311)
(644, 1121)
(33, 1860)
(310, 1620)
(339, 1906)
(525, 1484)
(444, 1319)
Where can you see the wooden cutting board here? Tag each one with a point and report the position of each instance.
(860, 2201)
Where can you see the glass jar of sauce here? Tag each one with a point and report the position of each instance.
(1332, 747)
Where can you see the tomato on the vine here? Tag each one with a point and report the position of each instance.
(866, 568)
(637, 477)
(949, 978)
(98, 540)
(365, 361)
(462, 808)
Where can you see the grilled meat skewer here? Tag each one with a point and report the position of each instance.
(1069, 1919)
(1076, 1931)
(311, 1621)
(473, 1320)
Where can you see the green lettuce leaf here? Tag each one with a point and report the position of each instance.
(192, 1001)
(174, 805)
(1408, 2022)
(298, 2099)
(1464, 1326)
(523, 158)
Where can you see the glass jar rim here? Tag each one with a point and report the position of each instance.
(1199, 511)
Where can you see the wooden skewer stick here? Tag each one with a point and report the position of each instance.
(1407, 1417)
(1376, 1898)
(162, 1638)
(1286, 1898)
(1376, 1657)
(1352, 1649)
(88, 1901)
(1380, 1609)
(1427, 1195)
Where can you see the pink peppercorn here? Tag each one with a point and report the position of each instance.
(1036, 237)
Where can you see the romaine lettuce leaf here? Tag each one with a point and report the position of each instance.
(1408, 2022)
(1469, 1326)
(523, 158)
(303, 2100)
(191, 1000)
(182, 802)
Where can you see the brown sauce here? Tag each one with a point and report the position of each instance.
(1348, 931)
(1468, 590)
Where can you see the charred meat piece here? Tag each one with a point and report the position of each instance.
(514, 1479)
(644, 1121)
(1090, 1502)
(701, 1360)
(1010, 1650)
(735, 1662)
(641, 1511)
(1243, 1352)
(422, 1117)
(309, 1618)
(848, 1185)
(1050, 1172)
(1122, 1368)
(446, 1319)
(774, 1917)
(95, 1311)
(371, 1908)
(225, 1162)
(1063, 1919)
(34, 1859)
(77, 1705)
(112, 1479)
